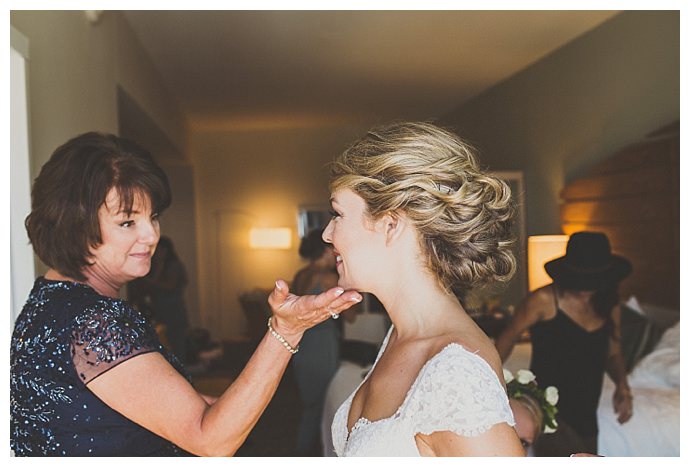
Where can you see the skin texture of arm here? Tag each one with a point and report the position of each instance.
(147, 389)
(499, 440)
(615, 367)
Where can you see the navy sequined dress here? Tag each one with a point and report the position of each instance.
(67, 335)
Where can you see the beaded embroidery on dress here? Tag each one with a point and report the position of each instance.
(456, 390)
(66, 335)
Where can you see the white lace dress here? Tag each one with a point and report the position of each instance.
(456, 390)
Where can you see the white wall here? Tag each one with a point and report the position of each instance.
(21, 254)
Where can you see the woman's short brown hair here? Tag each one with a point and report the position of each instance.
(462, 214)
(72, 186)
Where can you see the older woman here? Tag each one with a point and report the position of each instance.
(88, 374)
(415, 219)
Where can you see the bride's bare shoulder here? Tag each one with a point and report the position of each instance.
(476, 343)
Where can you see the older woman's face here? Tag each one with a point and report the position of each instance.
(128, 241)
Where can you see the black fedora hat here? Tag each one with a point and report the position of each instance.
(588, 263)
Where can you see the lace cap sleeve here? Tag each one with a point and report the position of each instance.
(458, 392)
(106, 334)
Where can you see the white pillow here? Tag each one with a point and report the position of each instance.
(662, 316)
(661, 368)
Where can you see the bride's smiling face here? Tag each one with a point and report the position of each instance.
(357, 241)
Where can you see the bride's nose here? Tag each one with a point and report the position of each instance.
(326, 236)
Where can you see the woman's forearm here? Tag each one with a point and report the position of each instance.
(223, 427)
(504, 345)
(615, 367)
(169, 406)
(226, 424)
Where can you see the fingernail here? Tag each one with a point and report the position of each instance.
(356, 299)
(278, 286)
(339, 292)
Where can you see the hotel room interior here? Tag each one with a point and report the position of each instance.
(578, 110)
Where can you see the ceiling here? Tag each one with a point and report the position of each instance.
(235, 70)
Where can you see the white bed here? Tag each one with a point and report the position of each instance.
(654, 429)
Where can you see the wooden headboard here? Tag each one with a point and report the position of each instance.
(634, 198)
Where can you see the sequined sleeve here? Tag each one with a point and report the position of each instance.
(106, 334)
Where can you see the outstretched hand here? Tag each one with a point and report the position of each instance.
(294, 314)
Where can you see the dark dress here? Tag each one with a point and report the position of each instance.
(66, 335)
(567, 356)
(169, 308)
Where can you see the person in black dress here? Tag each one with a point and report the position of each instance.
(88, 375)
(315, 366)
(162, 292)
(574, 326)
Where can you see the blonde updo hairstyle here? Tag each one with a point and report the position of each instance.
(463, 216)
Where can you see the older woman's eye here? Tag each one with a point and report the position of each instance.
(333, 214)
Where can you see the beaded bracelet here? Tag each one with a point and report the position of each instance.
(281, 339)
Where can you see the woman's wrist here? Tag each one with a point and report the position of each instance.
(292, 337)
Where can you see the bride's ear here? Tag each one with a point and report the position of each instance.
(393, 227)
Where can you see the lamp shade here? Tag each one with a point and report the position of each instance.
(276, 238)
(540, 250)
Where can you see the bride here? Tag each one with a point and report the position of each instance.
(414, 222)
